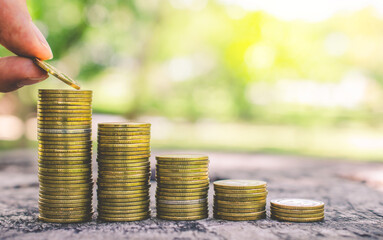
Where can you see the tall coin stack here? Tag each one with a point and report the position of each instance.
(240, 200)
(123, 171)
(182, 186)
(65, 151)
(297, 210)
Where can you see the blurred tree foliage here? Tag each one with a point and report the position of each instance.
(149, 57)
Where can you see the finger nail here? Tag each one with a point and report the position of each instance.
(41, 38)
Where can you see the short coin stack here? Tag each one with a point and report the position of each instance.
(123, 171)
(65, 151)
(182, 186)
(240, 200)
(297, 210)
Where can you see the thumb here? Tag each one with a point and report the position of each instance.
(19, 34)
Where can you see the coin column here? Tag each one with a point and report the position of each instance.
(65, 151)
(240, 200)
(123, 171)
(182, 187)
(297, 210)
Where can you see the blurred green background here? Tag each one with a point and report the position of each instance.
(303, 77)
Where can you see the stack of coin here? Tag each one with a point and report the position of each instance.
(297, 210)
(65, 152)
(240, 200)
(182, 186)
(123, 171)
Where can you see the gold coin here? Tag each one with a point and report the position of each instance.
(126, 211)
(65, 136)
(64, 178)
(131, 192)
(125, 160)
(63, 213)
(182, 206)
(59, 118)
(117, 145)
(65, 95)
(182, 202)
(241, 214)
(160, 193)
(53, 201)
(127, 189)
(128, 204)
(67, 215)
(63, 103)
(132, 170)
(182, 157)
(239, 184)
(66, 127)
(123, 138)
(65, 205)
(186, 198)
(63, 123)
(64, 99)
(175, 163)
(122, 200)
(52, 163)
(64, 131)
(181, 179)
(239, 210)
(122, 196)
(122, 142)
(67, 188)
(236, 206)
(113, 182)
(66, 197)
(140, 154)
(65, 181)
(182, 214)
(295, 215)
(240, 199)
(86, 142)
(240, 204)
(122, 219)
(126, 134)
(126, 130)
(195, 171)
(243, 191)
(144, 207)
(111, 150)
(63, 91)
(182, 186)
(62, 107)
(190, 182)
(67, 115)
(65, 220)
(241, 196)
(125, 172)
(182, 210)
(122, 176)
(229, 218)
(137, 166)
(183, 191)
(63, 155)
(45, 111)
(173, 166)
(295, 211)
(123, 124)
(296, 203)
(54, 208)
(182, 174)
(175, 218)
(65, 147)
(63, 159)
(290, 219)
(68, 193)
(125, 184)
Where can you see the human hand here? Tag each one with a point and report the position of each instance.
(21, 36)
